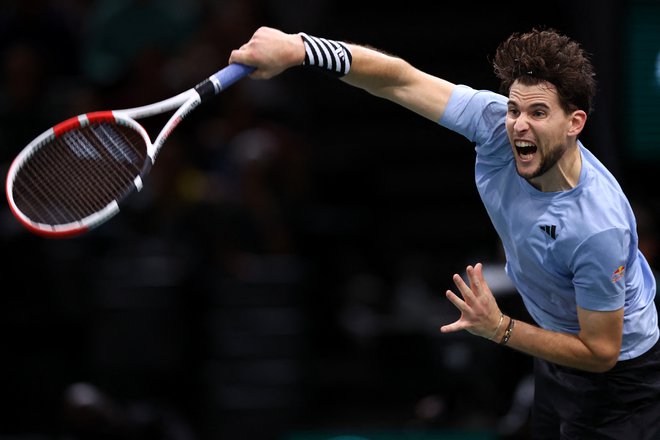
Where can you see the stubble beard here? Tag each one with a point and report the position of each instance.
(548, 161)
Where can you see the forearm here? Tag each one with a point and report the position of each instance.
(394, 79)
(376, 72)
(272, 51)
(560, 348)
(595, 348)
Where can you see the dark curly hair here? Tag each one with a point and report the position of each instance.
(546, 55)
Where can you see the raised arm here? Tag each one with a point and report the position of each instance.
(272, 51)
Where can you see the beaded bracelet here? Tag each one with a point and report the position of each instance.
(507, 333)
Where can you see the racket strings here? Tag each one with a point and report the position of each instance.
(79, 173)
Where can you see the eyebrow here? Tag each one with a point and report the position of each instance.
(533, 106)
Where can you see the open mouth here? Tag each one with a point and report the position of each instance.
(525, 150)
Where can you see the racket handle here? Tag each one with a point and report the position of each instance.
(222, 79)
(232, 73)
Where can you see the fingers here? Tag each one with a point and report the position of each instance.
(474, 304)
(460, 305)
(453, 327)
(476, 277)
(249, 55)
(478, 274)
(466, 291)
(239, 56)
(456, 301)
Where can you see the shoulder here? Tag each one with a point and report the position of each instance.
(474, 113)
(464, 98)
(602, 196)
(604, 222)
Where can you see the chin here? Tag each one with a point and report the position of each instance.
(527, 172)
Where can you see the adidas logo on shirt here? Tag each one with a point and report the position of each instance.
(551, 230)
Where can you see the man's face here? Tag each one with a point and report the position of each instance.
(537, 127)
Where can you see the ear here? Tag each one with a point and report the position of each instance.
(577, 119)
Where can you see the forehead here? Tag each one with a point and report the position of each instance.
(541, 93)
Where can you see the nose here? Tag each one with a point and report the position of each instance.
(520, 124)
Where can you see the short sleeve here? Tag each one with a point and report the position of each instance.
(479, 115)
(599, 267)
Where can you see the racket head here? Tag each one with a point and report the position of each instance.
(73, 177)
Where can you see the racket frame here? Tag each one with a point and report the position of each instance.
(184, 103)
(96, 218)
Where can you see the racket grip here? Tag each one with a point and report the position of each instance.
(232, 73)
(222, 79)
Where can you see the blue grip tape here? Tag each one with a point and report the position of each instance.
(232, 73)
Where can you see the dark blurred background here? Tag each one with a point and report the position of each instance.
(282, 274)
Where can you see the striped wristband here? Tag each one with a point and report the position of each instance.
(328, 56)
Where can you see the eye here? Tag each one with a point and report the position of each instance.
(539, 114)
(513, 112)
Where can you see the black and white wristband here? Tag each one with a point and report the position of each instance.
(328, 56)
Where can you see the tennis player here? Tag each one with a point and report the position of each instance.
(567, 228)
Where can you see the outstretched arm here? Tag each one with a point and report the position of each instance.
(272, 52)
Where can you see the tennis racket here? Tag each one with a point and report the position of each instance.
(73, 177)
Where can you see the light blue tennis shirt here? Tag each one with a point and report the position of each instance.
(563, 249)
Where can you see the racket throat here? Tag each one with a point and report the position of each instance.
(207, 89)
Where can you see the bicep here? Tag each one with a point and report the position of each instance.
(601, 332)
(425, 95)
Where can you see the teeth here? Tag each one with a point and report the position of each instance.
(523, 144)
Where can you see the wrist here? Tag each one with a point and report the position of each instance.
(297, 50)
(494, 335)
(327, 56)
(508, 332)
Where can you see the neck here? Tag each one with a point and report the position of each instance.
(564, 175)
